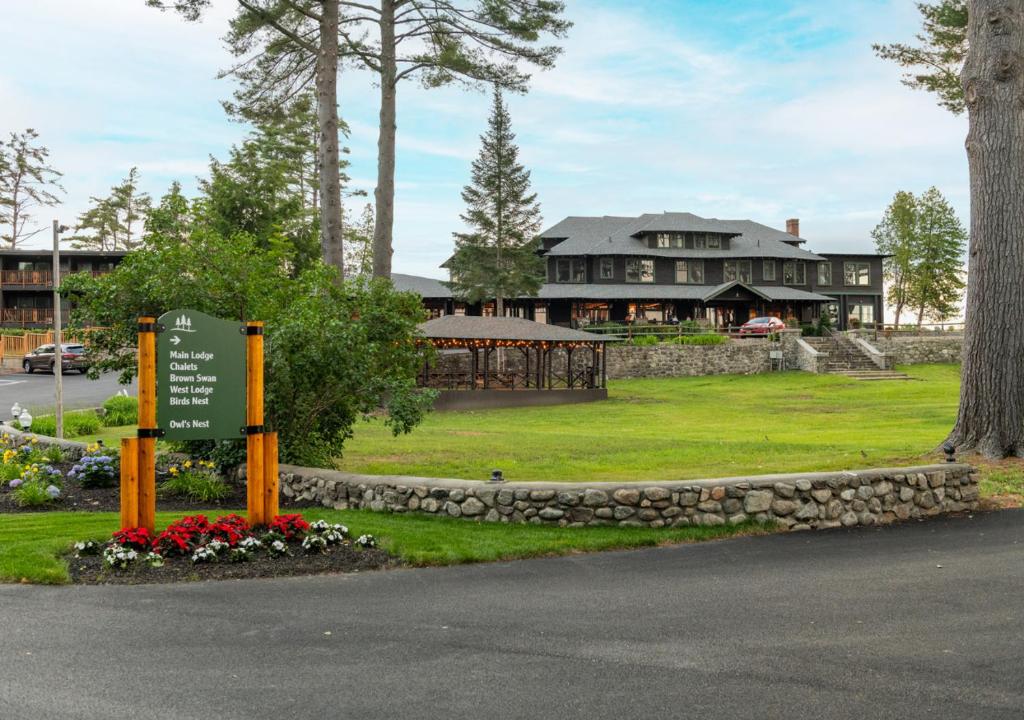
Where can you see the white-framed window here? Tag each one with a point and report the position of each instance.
(768, 270)
(857, 274)
(639, 270)
(570, 270)
(794, 273)
(663, 240)
(690, 272)
(737, 270)
(607, 268)
(824, 274)
(862, 315)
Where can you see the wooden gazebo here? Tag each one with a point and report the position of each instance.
(493, 362)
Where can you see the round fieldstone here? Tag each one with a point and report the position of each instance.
(550, 513)
(627, 496)
(657, 493)
(595, 498)
(542, 495)
(757, 501)
(473, 507)
(621, 512)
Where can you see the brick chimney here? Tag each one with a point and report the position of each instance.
(793, 226)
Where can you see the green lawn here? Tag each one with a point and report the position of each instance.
(31, 544)
(681, 428)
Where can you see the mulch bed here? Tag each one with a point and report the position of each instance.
(74, 497)
(339, 559)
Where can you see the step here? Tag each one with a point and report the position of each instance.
(872, 374)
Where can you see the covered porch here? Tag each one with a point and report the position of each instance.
(498, 362)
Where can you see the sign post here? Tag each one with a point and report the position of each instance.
(210, 378)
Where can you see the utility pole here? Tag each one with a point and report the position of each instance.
(58, 345)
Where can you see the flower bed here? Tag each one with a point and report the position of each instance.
(196, 548)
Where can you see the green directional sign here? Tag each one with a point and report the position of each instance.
(200, 375)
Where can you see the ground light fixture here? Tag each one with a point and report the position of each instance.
(497, 477)
(25, 420)
(15, 411)
(950, 451)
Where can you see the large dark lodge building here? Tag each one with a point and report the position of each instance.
(679, 266)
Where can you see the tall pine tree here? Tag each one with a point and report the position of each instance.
(498, 257)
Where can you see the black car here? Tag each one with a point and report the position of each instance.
(73, 358)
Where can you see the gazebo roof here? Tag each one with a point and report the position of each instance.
(466, 327)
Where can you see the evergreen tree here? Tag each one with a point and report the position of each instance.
(27, 181)
(935, 64)
(172, 218)
(895, 238)
(498, 257)
(114, 222)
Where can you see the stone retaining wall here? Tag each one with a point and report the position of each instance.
(923, 350)
(798, 502)
(734, 357)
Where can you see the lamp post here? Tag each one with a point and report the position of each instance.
(15, 411)
(25, 420)
(58, 344)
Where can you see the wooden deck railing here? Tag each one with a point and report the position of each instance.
(44, 278)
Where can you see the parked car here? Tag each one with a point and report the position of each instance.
(72, 358)
(761, 326)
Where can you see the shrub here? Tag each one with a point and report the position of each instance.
(53, 455)
(644, 340)
(195, 481)
(76, 424)
(120, 410)
(705, 339)
(95, 470)
(33, 493)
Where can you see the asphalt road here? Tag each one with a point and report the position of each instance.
(37, 391)
(917, 621)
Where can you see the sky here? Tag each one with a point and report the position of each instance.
(764, 110)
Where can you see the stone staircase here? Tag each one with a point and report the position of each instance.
(847, 358)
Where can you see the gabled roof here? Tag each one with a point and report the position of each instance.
(425, 287)
(719, 290)
(466, 327)
(619, 236)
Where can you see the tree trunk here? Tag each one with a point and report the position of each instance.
(899, 311)
(328, 160)
(991, 417)
(920, 318)
(499, 306)
(384, 195)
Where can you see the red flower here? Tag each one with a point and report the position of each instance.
(229, 529)
(135, 538)
(291, 526)
(172, 542)
(191, 525)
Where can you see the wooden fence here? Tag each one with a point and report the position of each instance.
(20, 345)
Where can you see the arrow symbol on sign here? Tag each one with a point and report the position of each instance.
(175, 340)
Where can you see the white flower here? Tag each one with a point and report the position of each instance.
(314, 543)
(366, 541)
(318, 526)
(154, 559)
(204, 554)
(278, 548)
(250, 543)
(217, 546)
(118, 556)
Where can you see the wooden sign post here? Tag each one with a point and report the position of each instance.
(208, 389)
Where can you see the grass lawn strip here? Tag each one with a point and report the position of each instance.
(680, 429)
(32, 545)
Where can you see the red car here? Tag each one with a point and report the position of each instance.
(761, 326)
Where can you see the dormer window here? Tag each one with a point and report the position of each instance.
(714, 242)
(667, 240)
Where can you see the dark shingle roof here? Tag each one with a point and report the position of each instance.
(616, 236)
(465, 327)
(425, 287)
